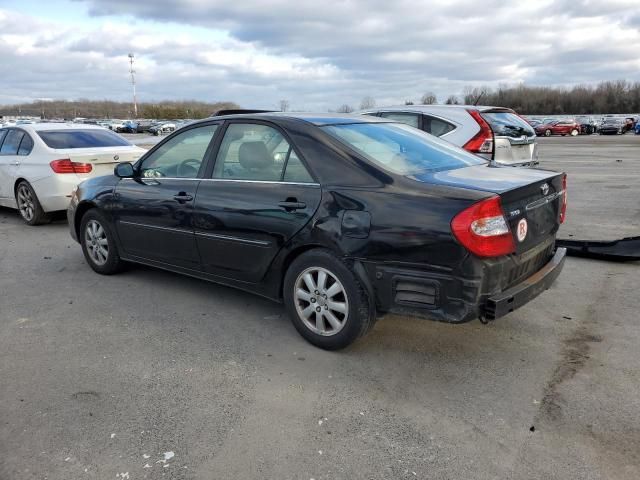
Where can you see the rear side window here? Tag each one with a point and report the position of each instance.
(412, 119)
(11, 142)
(437, 126)
(26, 145)
(64, 139)
(507, 124)
(3, 133)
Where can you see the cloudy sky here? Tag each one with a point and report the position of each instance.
(316, 54)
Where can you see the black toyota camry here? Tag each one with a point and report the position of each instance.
(342, 218)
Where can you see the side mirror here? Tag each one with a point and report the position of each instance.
(124, 170)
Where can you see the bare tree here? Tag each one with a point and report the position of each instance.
(452, 100)
(429, 98)
(284, 105)
(408, 102)
(345, 109)
(367, 102)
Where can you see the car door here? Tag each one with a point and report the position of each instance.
(9, 163)
(257, 197)
(154, 211)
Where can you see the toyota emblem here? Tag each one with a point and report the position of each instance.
(545, 188)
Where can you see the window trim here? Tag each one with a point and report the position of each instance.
(206, 159)
(208, 175)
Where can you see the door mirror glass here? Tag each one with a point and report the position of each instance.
(124, 170)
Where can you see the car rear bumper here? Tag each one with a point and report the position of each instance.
(444, 296)
(506, 302)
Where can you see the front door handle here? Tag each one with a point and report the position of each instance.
(291, 206)
(183, 197)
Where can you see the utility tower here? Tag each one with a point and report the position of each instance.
(133, 84)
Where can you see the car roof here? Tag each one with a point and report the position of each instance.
(430, 108)
(44, 126)
(318, 119)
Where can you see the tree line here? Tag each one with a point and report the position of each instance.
(64, 109)
(618, 96)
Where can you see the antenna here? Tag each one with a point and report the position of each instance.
(133, 84)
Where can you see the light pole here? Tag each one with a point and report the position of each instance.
(133, 84)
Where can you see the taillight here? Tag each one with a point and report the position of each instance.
(563, 207)
(482, 142)
(67, 166)
(483, 230)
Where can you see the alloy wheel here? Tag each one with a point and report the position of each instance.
(321, 301)
(95, 239)
(26, 203)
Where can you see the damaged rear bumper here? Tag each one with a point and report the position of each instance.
(514, 297)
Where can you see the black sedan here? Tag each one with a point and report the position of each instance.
(342, 218)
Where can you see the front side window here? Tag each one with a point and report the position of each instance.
(403, 117)
(260, 153)
(3, 133)
(11, 142)
(87, 138)
(181, 156)
(401, 149)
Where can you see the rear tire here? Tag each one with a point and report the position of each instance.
(574, 132)
(325, 300)
(29, 206)
(98, 244)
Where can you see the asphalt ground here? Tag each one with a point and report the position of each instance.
(149, 374)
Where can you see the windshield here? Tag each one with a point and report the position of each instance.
(402, 149)
(63, 139)
(507, 124)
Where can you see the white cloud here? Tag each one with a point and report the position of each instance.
(318, 55)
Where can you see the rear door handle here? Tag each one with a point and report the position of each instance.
(291, 206)
(183, 197)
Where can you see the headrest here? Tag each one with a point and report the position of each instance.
(254, 155)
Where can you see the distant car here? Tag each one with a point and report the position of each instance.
(637, 129)
(495, 133)
(629, 124)
(143, 126)
(587, 125)
(40, 164)
(533, 122)
(558, 127)
(341, 217)
(129, 126)
(162, 128)
(612, 126)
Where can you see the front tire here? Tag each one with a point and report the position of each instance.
(574, 132)
(29, 206)
(98, 244)
(547, 133)
(325, 300)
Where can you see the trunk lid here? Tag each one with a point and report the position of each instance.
(531, 198)
(103, 160)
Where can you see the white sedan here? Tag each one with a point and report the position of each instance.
(40, 164)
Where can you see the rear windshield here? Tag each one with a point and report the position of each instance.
(63, 139)
(402, 149)
(506, 124)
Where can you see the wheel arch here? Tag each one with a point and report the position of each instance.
(81, 209)
(357, 268)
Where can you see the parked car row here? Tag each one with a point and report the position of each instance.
(340, 217)
(609, 125)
